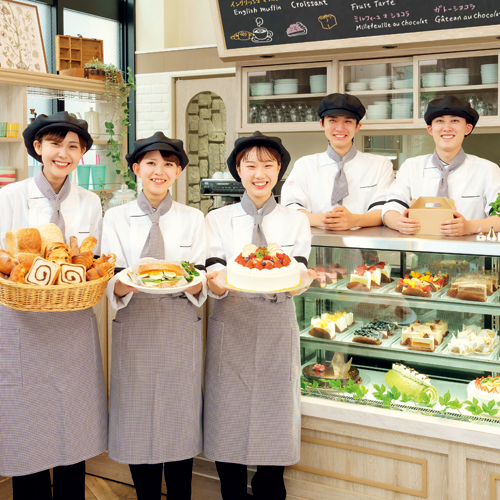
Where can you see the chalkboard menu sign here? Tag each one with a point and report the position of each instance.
(258, 23)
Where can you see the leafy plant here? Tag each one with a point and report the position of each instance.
(117, 91)
(496, 206)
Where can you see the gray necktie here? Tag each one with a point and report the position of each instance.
(445, 172)
(154, 246)
(340, 186)
(258, 237)
(54, 198)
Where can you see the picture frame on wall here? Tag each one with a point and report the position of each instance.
(21, 43)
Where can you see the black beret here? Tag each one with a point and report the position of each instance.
(158, 142)
(341, 105)
(258, 139)
(453, 106)
(61, 120)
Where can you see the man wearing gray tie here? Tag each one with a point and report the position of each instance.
(341, 188)
(472, 182)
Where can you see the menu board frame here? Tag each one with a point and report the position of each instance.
(436, 38)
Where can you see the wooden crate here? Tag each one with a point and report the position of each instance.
(73, 52)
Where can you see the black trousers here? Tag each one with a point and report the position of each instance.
(69, 484)
(178, 475)
(267, 483)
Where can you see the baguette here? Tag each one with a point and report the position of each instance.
(73, 243)
(88, 244)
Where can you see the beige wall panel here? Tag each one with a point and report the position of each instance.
(179, 60)
(483, 480)
(369, 467)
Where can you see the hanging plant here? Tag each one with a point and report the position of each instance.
(117, 91)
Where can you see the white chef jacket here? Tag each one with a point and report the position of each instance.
(473, 185)
(230, 228)
(126, 229)
(310, 184)
(22, 205)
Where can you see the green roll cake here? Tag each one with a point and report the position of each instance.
(410, 382)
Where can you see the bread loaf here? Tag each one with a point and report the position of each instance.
(24, 241)
(42, 273)
(71, 274)
(73, 243)
(50, 233)
(7, 262)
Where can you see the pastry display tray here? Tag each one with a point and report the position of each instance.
(385, 342)
(488, 356)
(438, 350)
(342, 286)
(391, 289)
(339, 338)
(492, 299)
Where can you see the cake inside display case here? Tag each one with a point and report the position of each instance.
(396, 336)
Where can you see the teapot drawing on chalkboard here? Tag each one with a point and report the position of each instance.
(261, 34)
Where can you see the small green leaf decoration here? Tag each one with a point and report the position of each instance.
(444, 400)
(335, 384)
(315, 384)
(405, 398)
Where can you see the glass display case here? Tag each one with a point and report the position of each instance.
(384, 86)
(470, 76)
(285, 97)
(403, 323)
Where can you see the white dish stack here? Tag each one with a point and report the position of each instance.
(403, 84)
(378, 111)
(263, 88)
(381, 83)
(432, 80)
(286, 86)
(457, 76)
(317, 83)
(357, 86)
(402, 108)
(489, 73)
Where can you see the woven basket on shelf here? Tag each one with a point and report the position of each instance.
(53, 298)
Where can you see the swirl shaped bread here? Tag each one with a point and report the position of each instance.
(26, 240)
(85, 258)
(71, 274)
(50, 233)
(43, 272)
(7, 262)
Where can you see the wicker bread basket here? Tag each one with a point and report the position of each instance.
(54, 298)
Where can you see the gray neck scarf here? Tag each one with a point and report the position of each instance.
(445, 172)
(154, 246)
(258, 237)
(340, 186)
(54, 198)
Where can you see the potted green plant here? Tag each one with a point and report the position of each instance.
(117, 90)
(495, 206)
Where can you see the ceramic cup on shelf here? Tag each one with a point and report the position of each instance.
(3, 129)
(83, 173)
(98, 176)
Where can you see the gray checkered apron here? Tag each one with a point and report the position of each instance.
(53, 405)
(252, 381)
(156, 381)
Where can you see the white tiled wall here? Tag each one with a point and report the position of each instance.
(153, 104)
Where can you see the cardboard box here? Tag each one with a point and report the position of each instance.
(430, 211)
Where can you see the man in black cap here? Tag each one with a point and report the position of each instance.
(472, 182)
(341, 188)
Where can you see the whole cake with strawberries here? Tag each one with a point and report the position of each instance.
(263, 269)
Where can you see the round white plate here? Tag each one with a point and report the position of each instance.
(126, 280)
(221, 280)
